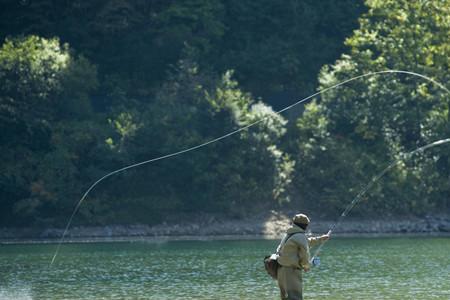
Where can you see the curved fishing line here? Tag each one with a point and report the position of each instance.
(374, 179)
(225, 136)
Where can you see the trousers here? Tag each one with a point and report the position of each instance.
(290, 282)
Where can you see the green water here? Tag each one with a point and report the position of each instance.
(416, 268)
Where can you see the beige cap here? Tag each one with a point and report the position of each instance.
(301, 219)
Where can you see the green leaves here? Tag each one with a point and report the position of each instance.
(144, 79)
(43, 86)
(194, 107)
(379, 118)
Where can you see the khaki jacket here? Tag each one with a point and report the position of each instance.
(295, 252)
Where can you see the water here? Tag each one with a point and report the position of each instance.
(415, 268)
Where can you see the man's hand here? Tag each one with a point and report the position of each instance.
(306, 269)
(325, 237)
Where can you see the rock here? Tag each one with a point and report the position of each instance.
(444, 226)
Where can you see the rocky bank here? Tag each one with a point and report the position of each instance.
(271, 225)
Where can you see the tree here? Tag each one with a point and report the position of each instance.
(234, 175)
(40, 78)
(277, 47)
(358, 129)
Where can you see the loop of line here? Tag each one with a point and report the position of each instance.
(225, 136)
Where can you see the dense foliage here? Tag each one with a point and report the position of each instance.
(88, 87)
(274, 47)
(352, 133)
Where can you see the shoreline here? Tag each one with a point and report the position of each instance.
(271, 225)
(163, 239)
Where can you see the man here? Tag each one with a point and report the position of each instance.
(294, 257)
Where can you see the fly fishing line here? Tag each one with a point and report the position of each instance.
(314, 259)
(226, 136)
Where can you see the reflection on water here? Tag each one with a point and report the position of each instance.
(351, 269)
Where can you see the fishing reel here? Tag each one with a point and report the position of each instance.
(315, 261)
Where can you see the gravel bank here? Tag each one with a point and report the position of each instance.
(271, 225)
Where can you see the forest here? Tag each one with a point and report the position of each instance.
(89, 87)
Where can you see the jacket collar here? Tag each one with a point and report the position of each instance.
(295, 229)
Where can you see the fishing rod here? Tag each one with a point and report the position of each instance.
(315, 258)
(77, 206)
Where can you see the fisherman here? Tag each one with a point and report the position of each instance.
(294, 257)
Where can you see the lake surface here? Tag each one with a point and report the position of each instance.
(376, 268)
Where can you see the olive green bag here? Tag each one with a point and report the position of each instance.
(271, 265)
